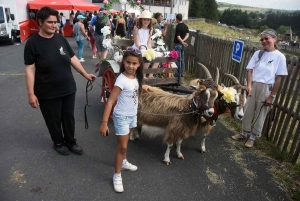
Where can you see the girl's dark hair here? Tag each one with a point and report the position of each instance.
(46, 12)
(139, 71)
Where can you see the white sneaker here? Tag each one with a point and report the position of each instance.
(81, 60)
(118, 184)
(129, 166)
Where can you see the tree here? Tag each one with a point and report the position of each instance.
(204, 8)
(262, 28)
(282, 29)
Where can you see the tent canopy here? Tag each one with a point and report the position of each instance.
(63, 5)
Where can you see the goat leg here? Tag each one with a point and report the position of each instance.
(167, 154)
(178, 149)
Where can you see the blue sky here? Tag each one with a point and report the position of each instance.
(276, 4)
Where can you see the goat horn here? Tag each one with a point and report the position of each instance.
(206, 70)
(217, 76)
(236, 81)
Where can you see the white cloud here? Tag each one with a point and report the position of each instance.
(276, 4)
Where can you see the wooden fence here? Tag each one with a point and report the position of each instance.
(282, 126)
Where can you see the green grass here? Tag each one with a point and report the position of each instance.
(221, 32)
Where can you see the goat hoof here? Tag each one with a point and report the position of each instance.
(202, 151)
(181, 157)
(167, 162)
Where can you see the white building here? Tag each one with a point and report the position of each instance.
(162, 6)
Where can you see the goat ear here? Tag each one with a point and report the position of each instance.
(220, 88)
(202, 88)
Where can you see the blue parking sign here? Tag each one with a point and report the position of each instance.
(237, 50)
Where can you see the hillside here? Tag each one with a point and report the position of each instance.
(223, 6)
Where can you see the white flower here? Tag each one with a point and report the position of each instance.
(157, 34)
(105, 30)
(118, 57)
(107, 43)
(160, 42)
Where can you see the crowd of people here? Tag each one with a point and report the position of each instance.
(51, 85)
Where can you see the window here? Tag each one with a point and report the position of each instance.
(97, 1)
(1, 15)
(7, 13)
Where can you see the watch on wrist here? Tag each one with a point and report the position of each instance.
(273, 96)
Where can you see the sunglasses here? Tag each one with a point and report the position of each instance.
(131, 49)
(262, 39)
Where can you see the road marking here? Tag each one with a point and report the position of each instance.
(13, 74)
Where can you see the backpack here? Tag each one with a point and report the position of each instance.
(99, 24)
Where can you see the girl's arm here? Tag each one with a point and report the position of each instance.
(111, 101)
(149, 44)
(136, 37)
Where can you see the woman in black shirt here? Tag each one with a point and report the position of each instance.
(50, 82)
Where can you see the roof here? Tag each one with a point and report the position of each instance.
(63, 4)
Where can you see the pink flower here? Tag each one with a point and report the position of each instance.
(105, 1)
(105, 12)
(165, 65)
(173, 54)
(138, 1)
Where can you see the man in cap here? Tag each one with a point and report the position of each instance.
(162, 27)
(97, 21)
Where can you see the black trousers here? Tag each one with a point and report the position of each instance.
(59, 117)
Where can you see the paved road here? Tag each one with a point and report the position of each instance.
(31, 170)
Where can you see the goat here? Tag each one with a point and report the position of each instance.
(180, 117)
(221, 105)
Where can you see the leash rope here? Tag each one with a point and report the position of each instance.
(88, 88)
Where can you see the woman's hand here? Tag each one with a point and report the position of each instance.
(249, 91)
(269, 101)
(104, 129)
(33, 101)
(90, 76)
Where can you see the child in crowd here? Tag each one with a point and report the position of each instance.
(126, 90)
(143, 32)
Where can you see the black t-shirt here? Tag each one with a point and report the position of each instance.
(52, 59)
(181, 30)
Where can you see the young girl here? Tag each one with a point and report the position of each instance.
(126, 90)
(142, 34)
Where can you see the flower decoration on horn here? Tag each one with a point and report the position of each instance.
(228, 94)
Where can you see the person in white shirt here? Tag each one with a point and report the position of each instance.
(125, 92)
(265, 71)
(62, 23)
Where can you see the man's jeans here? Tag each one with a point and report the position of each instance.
(180, 49)
(80, 44)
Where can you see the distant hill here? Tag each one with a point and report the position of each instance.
(223, 6)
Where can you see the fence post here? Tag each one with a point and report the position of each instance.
(197, 51)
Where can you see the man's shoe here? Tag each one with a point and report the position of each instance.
(129, 166)
(81, 60)
(238, 137)
(75, 148)
(61, 149)
(249, 143)
(118, 184)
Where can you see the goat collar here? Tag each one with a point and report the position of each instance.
(195, 108)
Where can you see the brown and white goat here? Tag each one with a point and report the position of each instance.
(222, 106)
(179, 117)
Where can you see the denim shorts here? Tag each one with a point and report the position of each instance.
(123, 124)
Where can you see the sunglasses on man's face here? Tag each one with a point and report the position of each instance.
(131, 49)
(262, 39)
